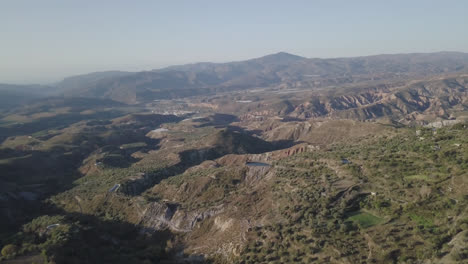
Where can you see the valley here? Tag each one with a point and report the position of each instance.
(279, 159)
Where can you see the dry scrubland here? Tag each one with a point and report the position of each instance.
(257, 163)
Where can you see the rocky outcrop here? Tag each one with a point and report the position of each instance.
(434, 97)
(241, 160)
(442, 123)
(162, 215)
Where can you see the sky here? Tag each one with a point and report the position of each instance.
(47, 40)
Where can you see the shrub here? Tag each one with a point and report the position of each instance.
(9, 250)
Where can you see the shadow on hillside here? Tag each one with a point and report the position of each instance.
(276, 145)
(188, 158)
(28, 176)
(255, 132)
(92, 239)
(59, 121)
(229, 142)
(287, 119)
(217, 120)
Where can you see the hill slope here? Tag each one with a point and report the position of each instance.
(281, 69)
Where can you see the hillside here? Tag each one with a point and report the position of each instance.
(414, 100)
(417, 101)
(352, 192)
(281, 69)
(279, 159)
(14, 95)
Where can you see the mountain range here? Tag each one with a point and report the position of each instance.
(282, 70)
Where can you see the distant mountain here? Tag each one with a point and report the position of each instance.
(275, 70)
(13, 95)
(78, 81)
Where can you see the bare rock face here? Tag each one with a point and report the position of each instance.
(256, 173)
(188, 220)
(439, 124)
(434, 97)
(159, 216)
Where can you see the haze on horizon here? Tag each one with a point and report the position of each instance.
(45, 41)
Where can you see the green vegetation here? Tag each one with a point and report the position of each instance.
(418, 177)
(9, 250)
(101, 189)
(364, 219)
(80, 236)
(402, 174)
(133, 145)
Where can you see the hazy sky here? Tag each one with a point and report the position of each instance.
(44, 41)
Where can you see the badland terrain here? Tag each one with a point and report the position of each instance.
(278, 159)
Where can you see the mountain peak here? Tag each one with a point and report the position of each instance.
(280, 57)
(283, 53)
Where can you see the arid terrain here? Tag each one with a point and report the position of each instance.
(278, 159)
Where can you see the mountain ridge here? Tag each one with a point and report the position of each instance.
(279, 69)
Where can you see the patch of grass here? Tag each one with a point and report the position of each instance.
(365, 220)
(133, 145)
(418, 177)
(428, 178)
(40, 133)
(4, 123)
(12, 160)
(421, 220)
